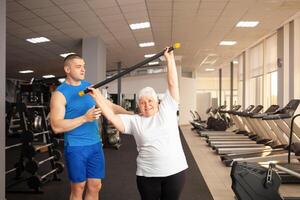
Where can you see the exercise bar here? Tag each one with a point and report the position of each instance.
(175, 46)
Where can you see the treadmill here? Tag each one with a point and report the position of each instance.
(216, 133)
(290, 171)
(259, 137)
(279, 150)
(245, 137)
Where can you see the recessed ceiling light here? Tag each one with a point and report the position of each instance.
(61, 80)
(147, 44)
(140, 25)
(153, 63)
(38, 40)
(210, 59)
(235, 62)
(26, 71)
(48, 76)
(66, 54)
(209, 69)
(247, 23)
(227, 43)
(148, 55)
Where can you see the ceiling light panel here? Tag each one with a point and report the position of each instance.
(147, 44)
(209, 59)
(48, 76)
(66, 54)
(141, 25)
(209, 69)
(26, 71)
(38, 40)
(247, 24)
(153, 63)
(227, 43)
(149, 55)
(61, 80)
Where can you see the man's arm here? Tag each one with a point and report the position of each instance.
(172, 76)
(57, 114)
(107, 109)
(118, 109)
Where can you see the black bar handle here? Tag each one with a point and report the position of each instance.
(83, 92)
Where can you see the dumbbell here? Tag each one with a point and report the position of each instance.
(35, 181)
(32, 166)
(28, 136)
(36, 122)
(30, 151)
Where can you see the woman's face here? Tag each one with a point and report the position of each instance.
(148, 106)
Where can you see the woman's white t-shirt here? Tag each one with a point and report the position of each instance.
(158, 142)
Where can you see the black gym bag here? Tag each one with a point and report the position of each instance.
(216, 124)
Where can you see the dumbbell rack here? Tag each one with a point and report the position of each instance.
(34, 126)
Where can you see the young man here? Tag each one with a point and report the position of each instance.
(76, 117)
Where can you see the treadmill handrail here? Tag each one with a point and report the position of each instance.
(278, 116)
(291, 138)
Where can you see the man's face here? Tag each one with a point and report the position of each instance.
(76, 69)
(148, 106)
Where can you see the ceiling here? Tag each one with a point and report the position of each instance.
(199, 25)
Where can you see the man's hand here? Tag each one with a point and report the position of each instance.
(92, 114)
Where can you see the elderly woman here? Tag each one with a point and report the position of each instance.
(161, 162)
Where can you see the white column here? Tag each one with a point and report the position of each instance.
(2, 95)
(247, 99)
(286, 64)
(297, 58)
(281, 66)
(297, 63)
(94, 54)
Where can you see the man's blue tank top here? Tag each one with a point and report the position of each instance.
(76, 106)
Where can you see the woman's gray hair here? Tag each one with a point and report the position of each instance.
(148, 92)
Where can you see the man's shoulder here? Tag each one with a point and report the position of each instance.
(61, 86)
(85, 83)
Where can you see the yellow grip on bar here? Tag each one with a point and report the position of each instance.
(177, 45)
(81, 93)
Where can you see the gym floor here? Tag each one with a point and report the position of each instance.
(119, 183)
(215, 173)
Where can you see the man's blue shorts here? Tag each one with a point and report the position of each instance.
(85, 162)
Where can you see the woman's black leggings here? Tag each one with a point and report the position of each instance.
(163, 188)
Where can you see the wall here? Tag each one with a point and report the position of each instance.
(203, 102)
(2, 96)
(133, 84)
(211, 83)
(187, 99)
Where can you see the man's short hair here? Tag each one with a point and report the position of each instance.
(71, 57)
